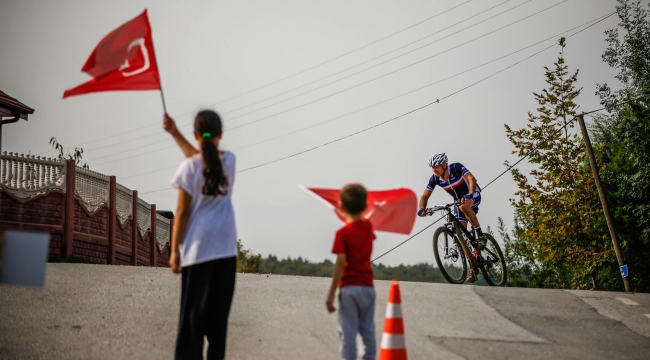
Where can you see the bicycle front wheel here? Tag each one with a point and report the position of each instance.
(449, 256)
(493, 264)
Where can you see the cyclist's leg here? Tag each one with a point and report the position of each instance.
(460, 216)
(471, 276)
(468, 210)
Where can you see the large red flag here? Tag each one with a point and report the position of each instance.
(123, 60)
(387, 210)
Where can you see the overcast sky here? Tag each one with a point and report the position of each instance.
(209, 53)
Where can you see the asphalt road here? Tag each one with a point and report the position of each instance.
(120, 312)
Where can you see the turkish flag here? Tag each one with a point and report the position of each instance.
(387, 210)
(123, 60)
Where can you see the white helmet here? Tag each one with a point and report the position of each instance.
(437, 159)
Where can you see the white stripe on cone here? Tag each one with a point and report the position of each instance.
(393, 310)
(392, 341)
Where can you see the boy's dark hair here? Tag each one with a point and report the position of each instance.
(208, 126)
(353, 198)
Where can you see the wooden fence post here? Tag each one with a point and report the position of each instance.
(152, 235)
(112, 219)
(68, 221)
(134, 230)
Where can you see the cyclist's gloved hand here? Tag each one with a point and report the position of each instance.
(422, 212)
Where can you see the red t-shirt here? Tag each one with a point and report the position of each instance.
(355, 240)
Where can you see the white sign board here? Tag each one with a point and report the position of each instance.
(24, 255)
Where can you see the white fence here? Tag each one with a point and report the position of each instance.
(29, 175)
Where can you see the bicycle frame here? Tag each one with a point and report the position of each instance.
(483, 259)
(458, 228)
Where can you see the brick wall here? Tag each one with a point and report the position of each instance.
(123, 242)
(92, 224)
(144, 244)
(42, 213)
(162, 260)
(40, 210)
(90, 250)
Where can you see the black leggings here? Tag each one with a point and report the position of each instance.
(206, 295)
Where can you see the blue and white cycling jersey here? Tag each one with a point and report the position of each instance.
(458, 185)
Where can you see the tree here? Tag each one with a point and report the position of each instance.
(559, 228)
(247, 262)
(76, 155)
(623, 137)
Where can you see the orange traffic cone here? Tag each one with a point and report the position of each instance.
(392, 345)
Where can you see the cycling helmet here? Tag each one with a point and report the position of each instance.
(437, 159)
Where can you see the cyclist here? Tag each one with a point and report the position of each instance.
(460, 184)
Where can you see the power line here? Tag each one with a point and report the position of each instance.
(407, 113)
(340, 56)
(404, 242)
(417, 109)
(418, 89)
(290, 76)
(376, 78)
(379, 64)
(355, 86)
(377, 57)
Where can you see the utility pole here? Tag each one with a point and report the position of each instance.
(603, 201)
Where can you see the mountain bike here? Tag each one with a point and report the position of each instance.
(454, 247)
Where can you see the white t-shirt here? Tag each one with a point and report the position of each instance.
(210, 233)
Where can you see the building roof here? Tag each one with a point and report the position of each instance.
(9, 106)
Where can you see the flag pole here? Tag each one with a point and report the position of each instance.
(153, 49)
(162, 96)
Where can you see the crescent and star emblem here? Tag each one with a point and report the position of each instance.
(377, 204)
(137, 42)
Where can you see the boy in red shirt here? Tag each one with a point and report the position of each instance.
(353, 276)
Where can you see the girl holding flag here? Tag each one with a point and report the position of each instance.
(204, 240)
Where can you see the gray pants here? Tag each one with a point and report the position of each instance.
(356, 316)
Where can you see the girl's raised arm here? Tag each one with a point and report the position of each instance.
(170, 126)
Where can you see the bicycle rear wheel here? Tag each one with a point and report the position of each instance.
(449, 256)
(493, 264)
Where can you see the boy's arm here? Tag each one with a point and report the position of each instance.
(170, 126)
(336, 278)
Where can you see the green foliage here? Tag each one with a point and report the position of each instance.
(297, 266)
(247, 262)
(421, 272)
(623, 138)
(558, 240)
(76, 155)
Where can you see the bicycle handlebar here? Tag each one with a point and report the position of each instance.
(432, 210)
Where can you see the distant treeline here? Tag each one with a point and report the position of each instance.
(298, 266)
(247, 262)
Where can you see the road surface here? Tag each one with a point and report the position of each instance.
(119, 312)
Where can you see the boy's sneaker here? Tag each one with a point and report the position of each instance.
(471, 277)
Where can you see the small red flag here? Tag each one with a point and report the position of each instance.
(387, 210)
(123, 60)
